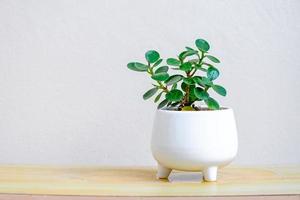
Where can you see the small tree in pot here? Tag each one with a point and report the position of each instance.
(190, 141)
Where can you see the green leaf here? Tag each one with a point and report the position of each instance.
(157, 97)
(187, 66)
(173, 62)
(207, 81)
(198, 80)
(160, 76)
(212, 104)
(188, 81)
(184, 86)
(213, 59)
(173, 79)
(162, 69)
(174, 86)
(152, 56)
(200, 93)
(150, 93)
(136, 66)
(212, 73)
(194, 61)
(185, 54)
(175, 68)
(181, 55)
(202, 81)
(174, 95)
(192, 96)
(202, 45)
(207, 64)
(198, 66)
(157, 62)
(190, 49)
(176, 104)
(162, 104)
(219, 89)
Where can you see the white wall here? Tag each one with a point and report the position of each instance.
(66, 96)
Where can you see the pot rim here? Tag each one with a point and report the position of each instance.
(222, 109)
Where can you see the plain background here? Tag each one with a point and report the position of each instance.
(66, 96)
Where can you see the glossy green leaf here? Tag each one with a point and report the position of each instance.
(188, 81)
(173, 79)
(213, 59)
(174, 95)
(200, 67)
(160, 76)
(162, 104)
(136, 66)
(202, 81)
(185, 54)
(202, 45)
(190, 49)
(181, 55)
(174, 104)
(212, 73)
(198, 80)
(190, 53)
(174, 86)
(212, 104)
(207, 81)
(192, 96)
(200, 93)
(150, 93)
(152, 56)
(219, 89)
(186, 66)
(173, 62)
(157, 97)
(184, 86)
(157, 62)
(162, 69)
(207, 64)
(194, 61)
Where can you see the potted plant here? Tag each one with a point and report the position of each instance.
(187, 135)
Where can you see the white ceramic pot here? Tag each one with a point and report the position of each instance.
(194, 141)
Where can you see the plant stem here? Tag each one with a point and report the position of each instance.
(187, 95)
(189, 74)
(164, 88)
(200, 61)
(185, 99)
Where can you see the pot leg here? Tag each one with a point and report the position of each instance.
(162, 172)
(210, 173)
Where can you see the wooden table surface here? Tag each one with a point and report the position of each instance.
(130, 182)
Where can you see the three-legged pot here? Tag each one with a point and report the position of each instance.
(194, 141)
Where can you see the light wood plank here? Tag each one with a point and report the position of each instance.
(98, 181)
(46, 197)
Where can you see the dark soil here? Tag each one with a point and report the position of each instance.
(198, 108)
